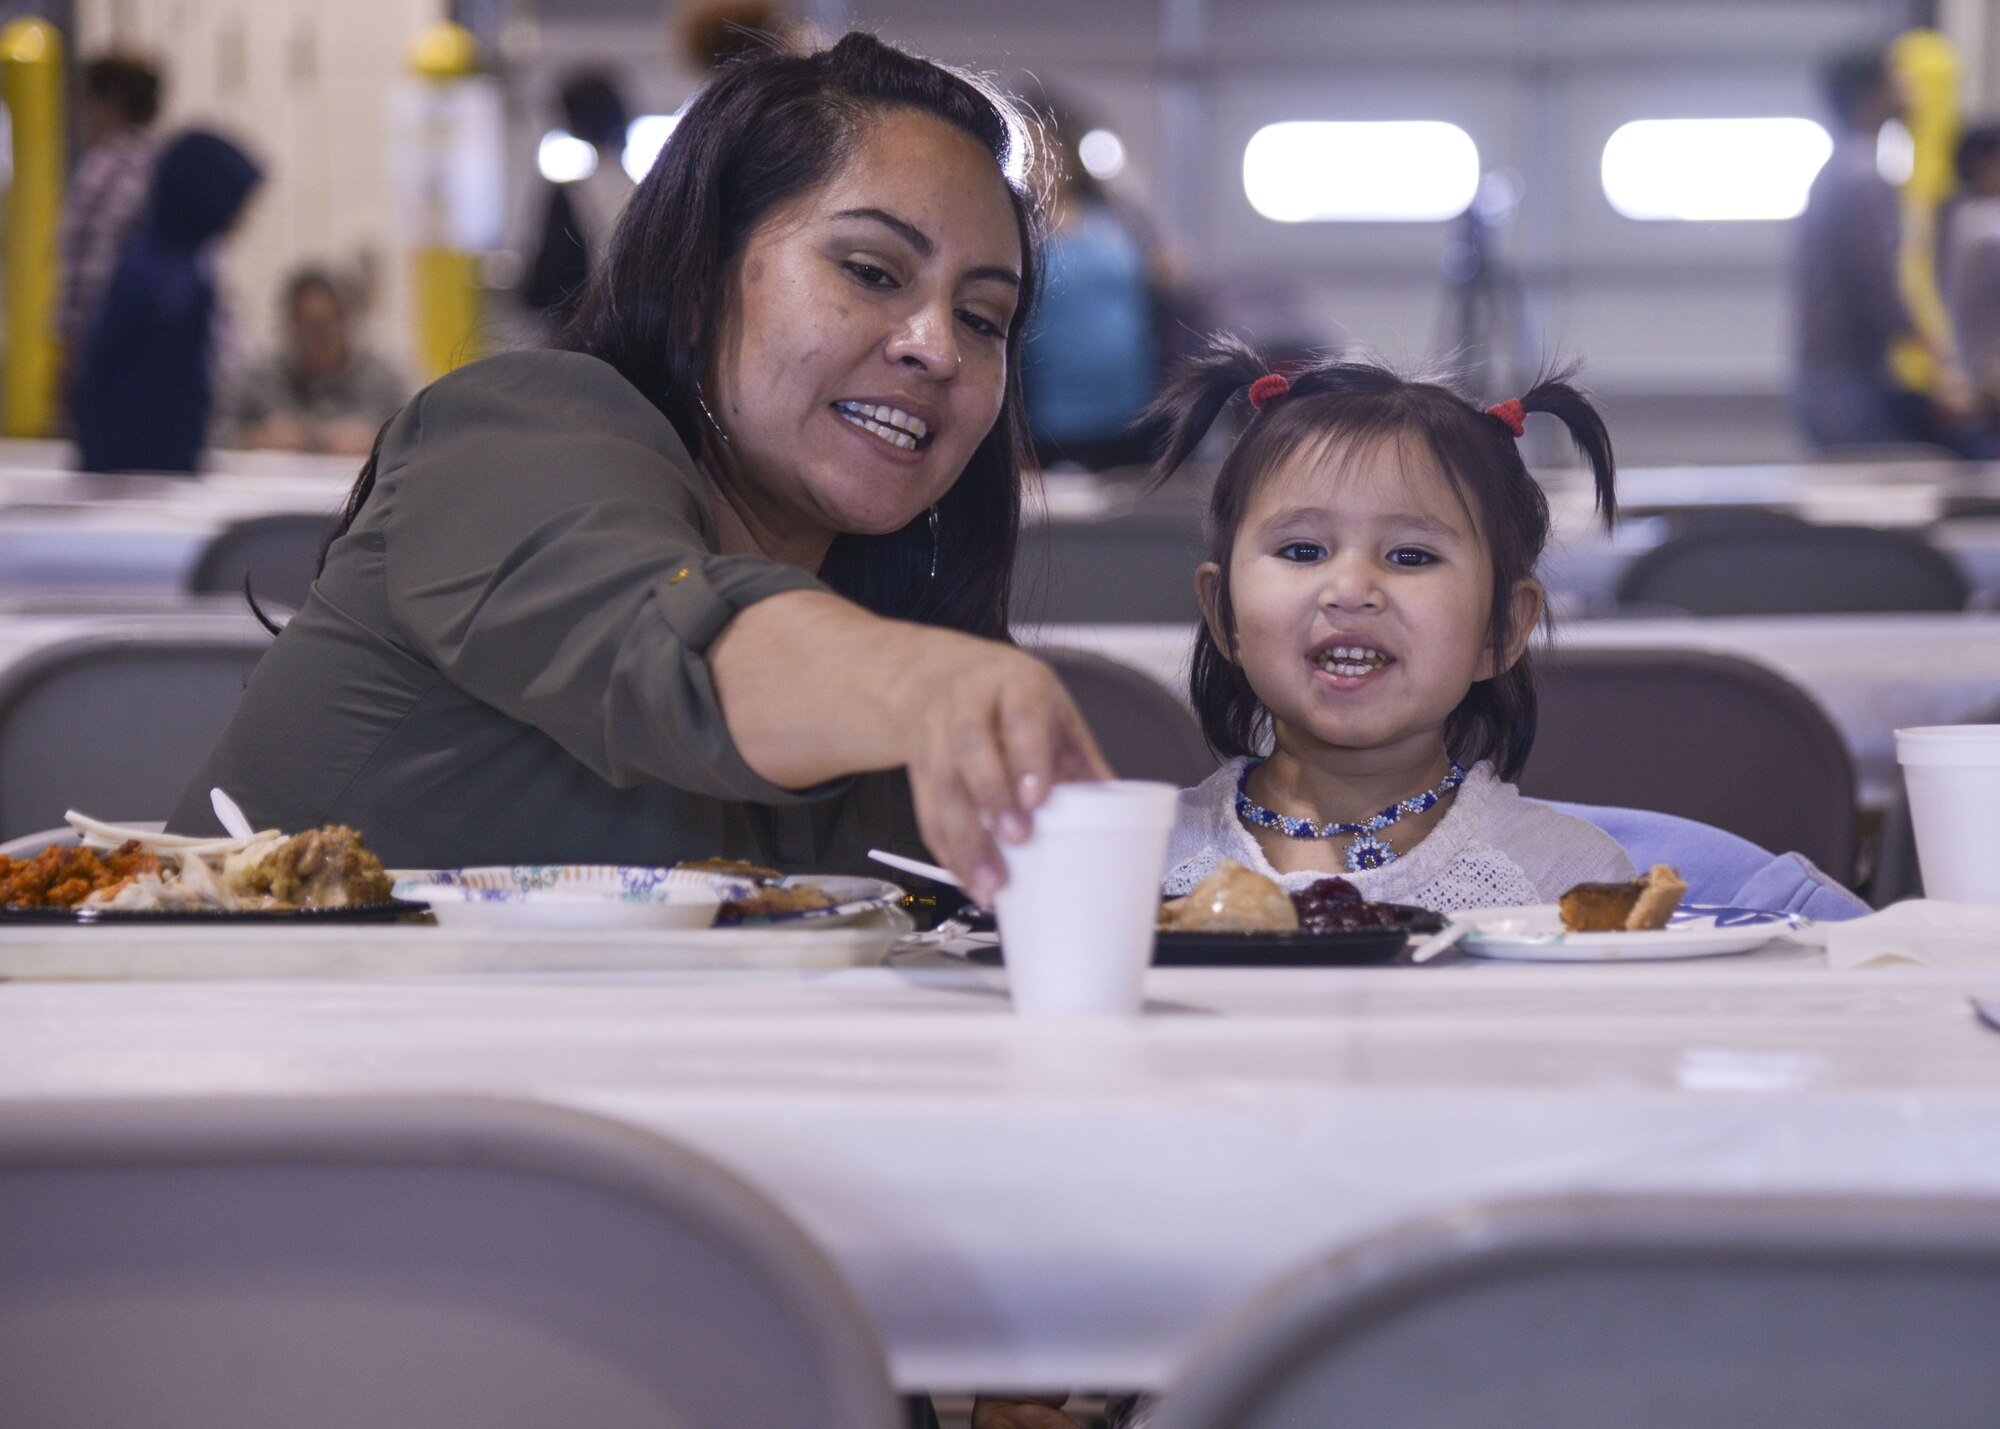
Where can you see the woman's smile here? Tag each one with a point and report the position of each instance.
(890, 422)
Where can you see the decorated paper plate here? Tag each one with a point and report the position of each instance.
(1535, 934)
(609, 896)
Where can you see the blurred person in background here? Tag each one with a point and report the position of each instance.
(579, 215)
(713, 34)
(320, 391)
(1092, 358)
(1970, 267)
(145, 385)
(1849, 306)
(121, 96)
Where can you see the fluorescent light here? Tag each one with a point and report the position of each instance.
(644, 138)
(1391, 171)
(563, 158)
(1713, 170)
(1102, 152)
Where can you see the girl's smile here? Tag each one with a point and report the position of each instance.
(1348, 661)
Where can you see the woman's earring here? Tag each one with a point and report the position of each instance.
(934, 542)
(714, 425)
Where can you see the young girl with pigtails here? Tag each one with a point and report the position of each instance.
(1369, 596)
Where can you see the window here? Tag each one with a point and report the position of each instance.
(1712, 170)
(1392, 171)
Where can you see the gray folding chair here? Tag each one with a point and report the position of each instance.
(279, 553)
(1643, 1313)
(113, 715)
(1780, 568)
(1144, 729)
(323, 1263)
(1713, 738)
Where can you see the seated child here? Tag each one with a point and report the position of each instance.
(1369, 597)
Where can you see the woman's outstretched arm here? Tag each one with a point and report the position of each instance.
(813, 687)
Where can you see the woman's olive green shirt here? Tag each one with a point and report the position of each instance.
(505, 659)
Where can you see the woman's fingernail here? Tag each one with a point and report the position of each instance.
(1031, 790)
(1012, 827)
(985, 885)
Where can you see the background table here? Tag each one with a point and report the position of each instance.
(1047, 1204)
(1872, 674)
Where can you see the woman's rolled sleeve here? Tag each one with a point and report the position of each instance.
(557, 565)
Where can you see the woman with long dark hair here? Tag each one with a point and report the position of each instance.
(709, 576)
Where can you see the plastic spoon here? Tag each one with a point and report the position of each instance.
(1440, 941)
(226, 809)
(908, 865)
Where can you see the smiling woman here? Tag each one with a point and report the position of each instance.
(577, 595)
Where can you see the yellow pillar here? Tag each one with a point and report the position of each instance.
(1928, 65)
(449, 299)
(31, 86)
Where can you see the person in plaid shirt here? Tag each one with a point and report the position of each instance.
(120, 98)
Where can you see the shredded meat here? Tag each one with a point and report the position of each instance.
(320, 868)
(64, 877)
(773, 903)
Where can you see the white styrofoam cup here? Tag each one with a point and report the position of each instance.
(1083, 895)
(1953, 775)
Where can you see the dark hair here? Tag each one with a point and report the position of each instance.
(1849, 81)
(594, 110)
(131, 86)
(1978, 147)
(1359, 402)
(769, 127)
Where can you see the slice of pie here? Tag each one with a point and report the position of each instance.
(1629, 907)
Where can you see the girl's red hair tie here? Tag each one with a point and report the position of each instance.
(1271, 384)
(1512, 413)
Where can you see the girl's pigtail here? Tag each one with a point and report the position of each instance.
(1555, 396)
(1194, 396)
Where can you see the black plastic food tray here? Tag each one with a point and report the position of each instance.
(356, 913)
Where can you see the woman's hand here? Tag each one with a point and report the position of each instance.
(986, 730)
(1027, 1412)
(814, 687)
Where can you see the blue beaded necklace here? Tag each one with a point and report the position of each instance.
(1367, 851)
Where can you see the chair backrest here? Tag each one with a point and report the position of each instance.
(1132, 567)
(115, 723)
(279, 553)
(1144, 729)
(1720, 868)
(1728, 1313)
(1713, 738)
(430, 1264)
(1794, 569)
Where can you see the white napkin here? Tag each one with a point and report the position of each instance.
(1954, 936)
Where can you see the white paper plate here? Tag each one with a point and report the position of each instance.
(1534, 934)
(585, 897)
(573, 896)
